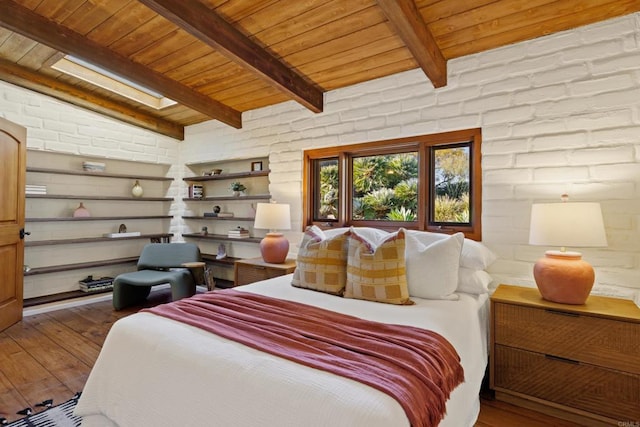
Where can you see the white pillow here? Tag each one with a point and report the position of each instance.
(473, 281)
(371, 234)
(432, 270)
(474, 254)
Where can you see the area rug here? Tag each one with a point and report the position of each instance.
(54, 416)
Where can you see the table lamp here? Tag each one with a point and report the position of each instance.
(563, 276)
(274, 247)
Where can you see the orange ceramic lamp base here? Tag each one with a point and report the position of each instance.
(564, 277)
(274, 248)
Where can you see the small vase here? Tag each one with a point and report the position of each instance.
(81, 212)
(137, 191)
(237, 193)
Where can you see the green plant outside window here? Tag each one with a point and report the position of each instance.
(385, 187)
(451, 184)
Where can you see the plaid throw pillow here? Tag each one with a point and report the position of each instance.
(322, 263)
(377, 272)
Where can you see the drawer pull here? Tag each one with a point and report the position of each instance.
(561, 313)
(561, 359)
(260, 267)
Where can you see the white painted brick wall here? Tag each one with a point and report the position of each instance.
(559, 113)
(57, 126)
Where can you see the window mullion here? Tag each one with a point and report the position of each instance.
(346, 184)
(424, 186)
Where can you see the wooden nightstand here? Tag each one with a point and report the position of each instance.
(255, 269)
(578, 362)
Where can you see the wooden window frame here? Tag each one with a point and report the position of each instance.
(421, 144)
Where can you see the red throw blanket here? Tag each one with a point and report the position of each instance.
(418, 368)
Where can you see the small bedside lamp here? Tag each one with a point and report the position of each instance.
(273, 216)
(563, 276)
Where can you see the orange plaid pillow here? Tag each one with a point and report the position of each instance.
(377, 272)
(322, 263)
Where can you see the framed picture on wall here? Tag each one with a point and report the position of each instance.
(256, 166)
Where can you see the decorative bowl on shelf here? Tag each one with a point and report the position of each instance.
(216, 171)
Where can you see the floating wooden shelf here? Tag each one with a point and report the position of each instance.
(94, 197)
(80, 265)
(215, 218)
(238, 198)
(224, 262)
(225, 176)
(163, 236)
(99, 174)
(223, 237)
(62, 296)
(97, 218)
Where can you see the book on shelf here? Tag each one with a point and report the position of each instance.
(89, 284)
(196, 191)
(96, 288)
(35, 189)
(238, 233)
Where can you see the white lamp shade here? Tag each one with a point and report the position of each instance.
(273, 216)
(567, 224)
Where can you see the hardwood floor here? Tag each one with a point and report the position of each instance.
(50, 355)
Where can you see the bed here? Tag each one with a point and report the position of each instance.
(155, 371)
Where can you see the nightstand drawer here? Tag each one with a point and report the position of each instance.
(255, 269)
(584, 338)
(593, 389)
(254, 274)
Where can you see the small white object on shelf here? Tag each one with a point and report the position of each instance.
(222, 251)
(136, 190)
(93, 166)
(127, 234)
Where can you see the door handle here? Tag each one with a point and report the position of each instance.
(24, 233)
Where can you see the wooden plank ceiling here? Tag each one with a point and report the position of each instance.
(219, 58)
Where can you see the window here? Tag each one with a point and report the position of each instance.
(428, 182)
(326, 194)
(385, 187)
(450, 169)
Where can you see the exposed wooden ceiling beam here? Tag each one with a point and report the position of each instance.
(203, 23)
(28, 79)
(23, 21)
(410, 26)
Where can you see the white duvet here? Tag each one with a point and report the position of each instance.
(153, 371)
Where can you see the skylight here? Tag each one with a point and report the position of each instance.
(105, 79)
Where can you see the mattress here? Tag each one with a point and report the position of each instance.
(153, 371)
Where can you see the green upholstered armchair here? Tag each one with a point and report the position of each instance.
(159, 263)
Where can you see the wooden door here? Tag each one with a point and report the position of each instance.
(13, 156)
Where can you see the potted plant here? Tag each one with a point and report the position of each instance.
(237, 188)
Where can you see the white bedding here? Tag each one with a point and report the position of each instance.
(153, 371)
